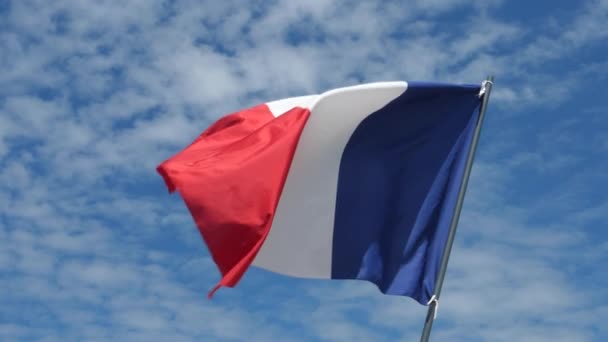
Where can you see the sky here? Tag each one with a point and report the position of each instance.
(95, 94)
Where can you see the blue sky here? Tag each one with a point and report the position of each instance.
(93, 95)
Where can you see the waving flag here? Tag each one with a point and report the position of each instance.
(354, 183)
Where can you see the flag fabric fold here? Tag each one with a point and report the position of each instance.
(355, 183)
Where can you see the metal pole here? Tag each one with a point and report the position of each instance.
(430, 316)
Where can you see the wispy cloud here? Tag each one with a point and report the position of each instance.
(94, 95)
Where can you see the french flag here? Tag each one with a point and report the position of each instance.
(355, 183)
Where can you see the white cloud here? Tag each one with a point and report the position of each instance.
(87, 245)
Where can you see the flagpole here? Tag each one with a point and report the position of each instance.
(432, 310)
